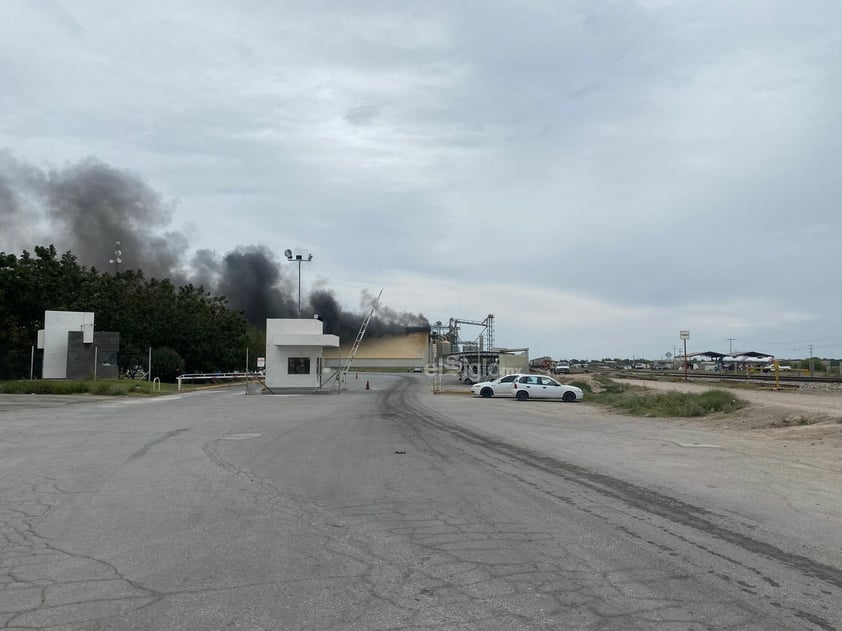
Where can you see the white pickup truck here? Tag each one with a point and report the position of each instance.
(781, 367)
(561, 368)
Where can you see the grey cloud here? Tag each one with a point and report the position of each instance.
(361, 115)
(636, 153)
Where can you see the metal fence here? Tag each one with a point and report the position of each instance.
(213, 377)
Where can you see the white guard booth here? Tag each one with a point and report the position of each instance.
(294, 353)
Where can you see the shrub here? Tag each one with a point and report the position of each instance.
(106, 387)
(664, 404)
(584, 385)
(43, 386)
(109, 388)
(609, 386)
(167, 364)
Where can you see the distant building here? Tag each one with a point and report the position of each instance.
(476, 366)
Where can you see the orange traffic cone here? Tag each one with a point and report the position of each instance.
(367, 387)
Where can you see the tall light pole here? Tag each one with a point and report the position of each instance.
(116, 260)
(298, 258)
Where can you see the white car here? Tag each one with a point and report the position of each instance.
(561, 368)
(501, 387)
(538, 387)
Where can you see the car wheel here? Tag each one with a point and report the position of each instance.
(568, 396)
(486, 392)
(522, 395)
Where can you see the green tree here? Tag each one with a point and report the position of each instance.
(29, 285)
(818, 364)
(256, 344)
(200, 328)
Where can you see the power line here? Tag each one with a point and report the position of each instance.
(796, 343)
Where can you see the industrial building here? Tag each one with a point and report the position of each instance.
(475, 356)
(407, 350)
(742, 360)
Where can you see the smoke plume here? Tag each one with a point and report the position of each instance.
(251, 280)
(346, 325)
(88, 206)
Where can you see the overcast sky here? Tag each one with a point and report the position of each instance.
(598, 175)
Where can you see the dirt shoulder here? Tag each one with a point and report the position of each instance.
(806, 414)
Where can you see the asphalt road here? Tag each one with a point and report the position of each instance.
(393, 508)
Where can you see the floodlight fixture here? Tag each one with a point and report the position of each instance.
(298, 258)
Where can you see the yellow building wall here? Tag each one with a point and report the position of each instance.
(408, 350)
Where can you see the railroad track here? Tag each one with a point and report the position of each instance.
(718, 376)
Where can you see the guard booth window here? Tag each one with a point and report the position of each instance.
(298, 366)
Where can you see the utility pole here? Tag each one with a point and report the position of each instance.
(811, 360)
(730, 349)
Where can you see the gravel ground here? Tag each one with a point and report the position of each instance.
(808, 417)
(812, 399)
(811, 414)
(822, 389)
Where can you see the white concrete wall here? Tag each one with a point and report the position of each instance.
(56, 326)
(277, 363)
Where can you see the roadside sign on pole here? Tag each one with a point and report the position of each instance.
(261, 362)
(685, 335)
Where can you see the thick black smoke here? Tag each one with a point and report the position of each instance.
(251, 280)
(86, 207)
(347, 325)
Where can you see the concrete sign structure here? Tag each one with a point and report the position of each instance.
(294, 350)
(72, 350)
(56, 326)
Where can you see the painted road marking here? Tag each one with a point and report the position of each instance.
(700, 445)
